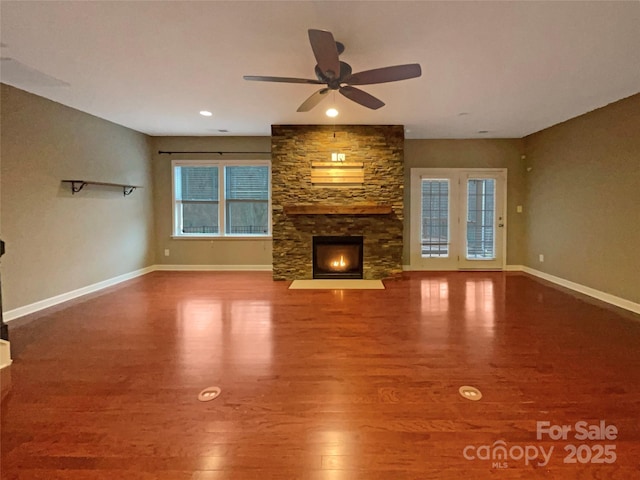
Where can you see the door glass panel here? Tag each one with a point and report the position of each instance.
(435, 218)
(481, 207)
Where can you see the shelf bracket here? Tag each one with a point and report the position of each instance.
(75, 189)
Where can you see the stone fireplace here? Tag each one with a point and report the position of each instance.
(337, 257)
(371, 207)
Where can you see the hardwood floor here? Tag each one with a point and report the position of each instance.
(320, 385)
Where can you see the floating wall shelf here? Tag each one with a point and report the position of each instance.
(77, 185)
(336, 173)
(323, 209)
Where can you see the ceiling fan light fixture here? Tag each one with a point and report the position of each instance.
(332, 112)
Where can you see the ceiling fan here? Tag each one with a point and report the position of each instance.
(336, 75)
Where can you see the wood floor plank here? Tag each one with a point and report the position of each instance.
(333, 385)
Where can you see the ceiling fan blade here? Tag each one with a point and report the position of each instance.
(326, 52)
(313, 100)
(257, 78)
(385, 74)
(361, 97)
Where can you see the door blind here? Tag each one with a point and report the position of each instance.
(435, 218)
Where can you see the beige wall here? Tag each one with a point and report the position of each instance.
(57, 242)
(580, 198)
(494, 153)
(583, 199)
(247, 252)
(490, 153)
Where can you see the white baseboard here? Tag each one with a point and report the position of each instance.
(412, 268)
(592, 292)
(513, 268)
(50, 302)
(214, 268)
(65, 297)
(507, 268)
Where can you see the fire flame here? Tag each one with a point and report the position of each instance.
(339, 263)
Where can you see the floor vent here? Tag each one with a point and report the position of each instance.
(209, 394)
(470, 393)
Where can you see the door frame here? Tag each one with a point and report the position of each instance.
(415, 228)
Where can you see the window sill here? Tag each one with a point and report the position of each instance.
(218, 237)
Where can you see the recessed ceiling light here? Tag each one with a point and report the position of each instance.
(205, 113)
(332, 112)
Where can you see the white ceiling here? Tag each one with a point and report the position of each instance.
(512, 68)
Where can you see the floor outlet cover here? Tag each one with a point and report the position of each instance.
(209, 393)
(470, 393)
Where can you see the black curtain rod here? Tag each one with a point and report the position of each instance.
(162, 152)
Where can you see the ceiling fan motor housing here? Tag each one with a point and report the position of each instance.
(334, 83)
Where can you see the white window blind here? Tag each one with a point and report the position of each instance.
(480, 216)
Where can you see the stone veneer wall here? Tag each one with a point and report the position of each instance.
(293, 148)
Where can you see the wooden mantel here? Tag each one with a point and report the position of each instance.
(325, 209)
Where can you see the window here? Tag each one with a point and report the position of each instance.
(197, 200)
(221, 199)
(247, 200)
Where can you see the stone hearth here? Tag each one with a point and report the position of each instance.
(372, 209)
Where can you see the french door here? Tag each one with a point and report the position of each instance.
(457, 219)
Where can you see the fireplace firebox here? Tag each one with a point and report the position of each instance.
(337, 257)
